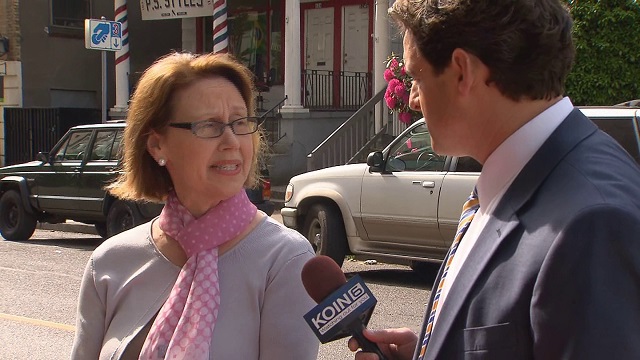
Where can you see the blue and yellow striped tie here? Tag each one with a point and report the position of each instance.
(469, 209)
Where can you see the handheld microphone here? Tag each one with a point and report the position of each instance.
(344, 307)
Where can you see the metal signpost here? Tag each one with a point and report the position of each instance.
(106, 36)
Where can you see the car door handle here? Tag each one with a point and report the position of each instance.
(424, 184)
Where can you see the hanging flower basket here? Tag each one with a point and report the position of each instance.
(398, 89)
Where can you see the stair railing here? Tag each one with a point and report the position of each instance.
(351, 138)
(271, 123)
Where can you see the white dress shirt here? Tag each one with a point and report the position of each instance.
(498, 172)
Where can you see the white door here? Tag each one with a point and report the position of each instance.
(355, 54)
(318, 82)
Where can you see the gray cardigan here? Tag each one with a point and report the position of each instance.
(263, 300)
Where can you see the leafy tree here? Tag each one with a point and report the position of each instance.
(607, 39)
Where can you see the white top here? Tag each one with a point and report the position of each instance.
(498, 172)
(263, 300)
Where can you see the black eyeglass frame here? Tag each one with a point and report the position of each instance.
(194, 125)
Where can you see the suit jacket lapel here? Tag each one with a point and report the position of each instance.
(573, 129)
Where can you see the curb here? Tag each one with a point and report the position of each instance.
(69, 226)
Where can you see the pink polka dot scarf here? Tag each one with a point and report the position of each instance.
(184, 325)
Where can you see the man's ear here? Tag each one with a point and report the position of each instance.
(470, 70)
(154, 145)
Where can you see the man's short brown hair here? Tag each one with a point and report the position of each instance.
(151, 108)
(526, 44)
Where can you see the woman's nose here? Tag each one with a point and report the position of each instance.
(414, 98)
(229, 138)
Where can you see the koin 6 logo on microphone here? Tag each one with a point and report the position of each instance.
(330, 318)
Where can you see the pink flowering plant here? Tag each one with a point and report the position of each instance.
(398, 89)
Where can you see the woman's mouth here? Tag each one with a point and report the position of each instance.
(227, 167)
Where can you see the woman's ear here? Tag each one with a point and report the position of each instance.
(154, 145)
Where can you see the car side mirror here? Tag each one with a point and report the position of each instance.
(375, 161)
(43, 156)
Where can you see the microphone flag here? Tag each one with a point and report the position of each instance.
(347, 308)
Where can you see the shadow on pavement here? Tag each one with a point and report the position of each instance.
(422, 279)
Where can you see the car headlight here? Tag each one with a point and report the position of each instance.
(288, 193)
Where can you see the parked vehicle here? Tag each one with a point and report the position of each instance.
(68, 183)
(404, 203)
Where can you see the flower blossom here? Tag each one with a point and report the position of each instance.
(394, 64)
(405, 117)
(398, 90)
(388, 75)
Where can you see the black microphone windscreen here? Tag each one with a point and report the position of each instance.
(321, 276)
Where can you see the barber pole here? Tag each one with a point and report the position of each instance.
(220, 30)
(122, 57)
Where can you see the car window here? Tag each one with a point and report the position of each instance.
(103, 144)
(623, 132)
(116, 150)
(468, 164)
(413, 152)
(74, 148)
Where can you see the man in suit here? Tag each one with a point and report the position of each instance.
(549, 267)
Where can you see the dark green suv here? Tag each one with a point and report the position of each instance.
(68, 184)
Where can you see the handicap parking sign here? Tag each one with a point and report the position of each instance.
(102, 35)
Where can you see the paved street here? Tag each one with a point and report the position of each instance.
(39, 282)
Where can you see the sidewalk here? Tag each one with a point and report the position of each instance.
(69, 226)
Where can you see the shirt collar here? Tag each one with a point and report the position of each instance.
(510, 157)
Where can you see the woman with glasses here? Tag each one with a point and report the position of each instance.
(211, 277)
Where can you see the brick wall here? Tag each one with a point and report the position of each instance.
(10, 27)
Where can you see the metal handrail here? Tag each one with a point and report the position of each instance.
(271, 123)
(277, 106)
(350, 137)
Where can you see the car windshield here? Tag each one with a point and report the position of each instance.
(74, 148)
(413, 152)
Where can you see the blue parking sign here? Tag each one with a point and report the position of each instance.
(103, 35)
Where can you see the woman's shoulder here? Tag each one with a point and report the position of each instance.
(272, 241)
(127, 245)
(275, 234)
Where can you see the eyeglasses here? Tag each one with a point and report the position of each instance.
(213, 129)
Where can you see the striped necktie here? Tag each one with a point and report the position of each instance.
(469, 209)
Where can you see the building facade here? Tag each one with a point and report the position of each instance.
(317, 61)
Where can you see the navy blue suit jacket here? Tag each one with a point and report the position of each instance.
(555, 273)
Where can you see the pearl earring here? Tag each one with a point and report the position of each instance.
(162, 162)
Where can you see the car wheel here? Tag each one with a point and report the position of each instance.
(324, 229)
(122, 216)
(15, 222)
(101, 229)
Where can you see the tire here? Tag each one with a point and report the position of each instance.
(122, 216)
(15, 222)
(325, 231)
(101, 229)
